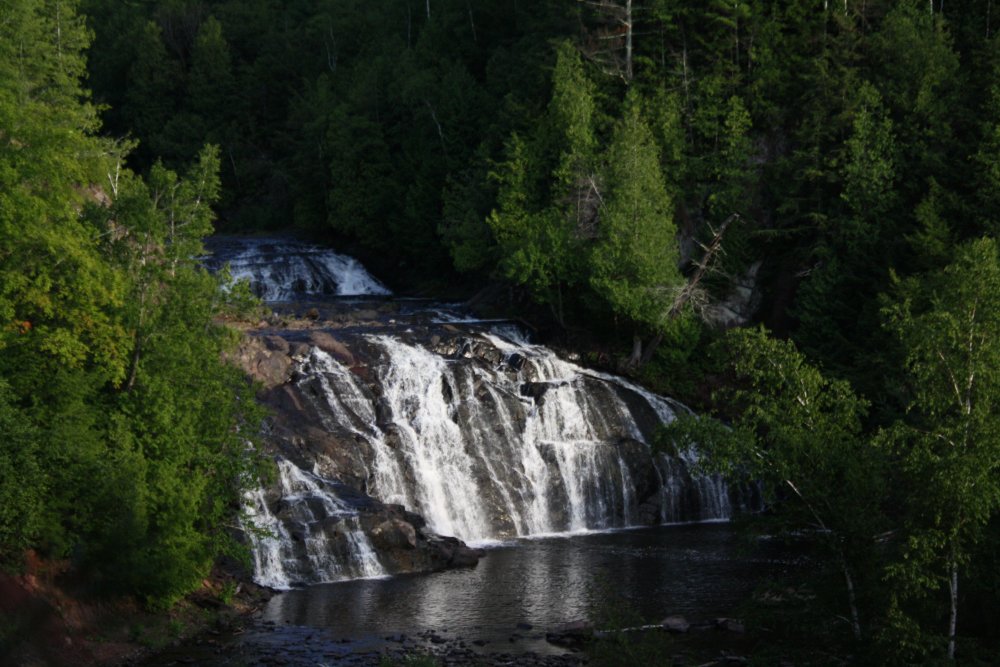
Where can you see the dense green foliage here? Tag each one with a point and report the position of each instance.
(904, 509)
(124, 435)
(484, 133)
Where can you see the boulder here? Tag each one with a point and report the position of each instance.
(465, 556)
(536, 390)
(394, 534)
(730, 625)
(571, 635)
(276, 344)
(265, 359)
(335, 348)
(676, 624)
(515, 362)
(455, 553)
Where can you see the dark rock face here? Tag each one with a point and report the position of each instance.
(393, 534)
(267, 359)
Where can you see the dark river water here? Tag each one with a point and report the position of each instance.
(509, 601)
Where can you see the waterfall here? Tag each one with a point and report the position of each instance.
(463, 422)
(528, 445)
(314, 537)
(281, 270)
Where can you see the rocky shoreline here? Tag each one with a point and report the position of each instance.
(268, 644)
(720, 641)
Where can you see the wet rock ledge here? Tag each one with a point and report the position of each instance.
(296, 432)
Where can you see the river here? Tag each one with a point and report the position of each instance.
(503, 608)
(482, 435)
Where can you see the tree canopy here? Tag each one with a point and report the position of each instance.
(125, 435)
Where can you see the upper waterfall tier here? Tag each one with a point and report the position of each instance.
(284, 269)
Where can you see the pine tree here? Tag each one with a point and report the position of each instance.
(634, 264)
(548, 194)
(154, 81)
(210, 83)
(837, 306)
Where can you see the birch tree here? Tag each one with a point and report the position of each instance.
(949, 445)
(800, 435)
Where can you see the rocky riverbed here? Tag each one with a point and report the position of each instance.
(301, 647)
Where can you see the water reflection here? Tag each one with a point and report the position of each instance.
(696, 570)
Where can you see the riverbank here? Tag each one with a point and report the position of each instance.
(49, 619)
(694, 584)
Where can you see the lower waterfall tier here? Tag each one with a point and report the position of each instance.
(485, 437)
(311, 530)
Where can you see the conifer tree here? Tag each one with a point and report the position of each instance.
(634, 263)
(150, 100)
(548, 194)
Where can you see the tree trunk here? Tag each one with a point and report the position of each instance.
(953, 590)
(556, 307)
(628, 41)
(635, 359)
(437, 124)
(472, 21)
(647, 355)
(133, 370)
(852, 599)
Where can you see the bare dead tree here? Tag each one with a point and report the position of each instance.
(610, 44)
(587, 204)
(472, 21)
(688, 293)
(437, 124)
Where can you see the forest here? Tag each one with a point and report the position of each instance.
(614, 171)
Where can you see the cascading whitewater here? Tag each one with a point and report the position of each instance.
(284, 269)
(526, 445)
(313, 538)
